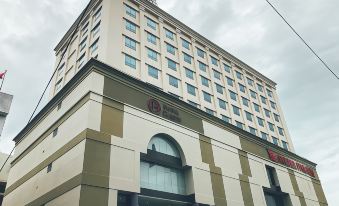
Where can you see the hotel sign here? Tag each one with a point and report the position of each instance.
(164, 110)
(290, 163)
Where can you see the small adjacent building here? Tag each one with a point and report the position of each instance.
(5, 105)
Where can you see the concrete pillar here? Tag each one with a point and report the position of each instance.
(134, 199)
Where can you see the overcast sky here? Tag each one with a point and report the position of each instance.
(248, 29)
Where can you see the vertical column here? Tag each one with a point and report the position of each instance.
(143, 68)
(162, 55)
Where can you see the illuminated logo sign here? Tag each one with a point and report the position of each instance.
(165, 110)
(290, 163)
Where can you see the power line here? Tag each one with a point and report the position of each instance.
(302, 39)
(50, 80)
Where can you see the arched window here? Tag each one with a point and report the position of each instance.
(161, 168)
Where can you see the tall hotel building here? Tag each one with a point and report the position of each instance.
(145, 111)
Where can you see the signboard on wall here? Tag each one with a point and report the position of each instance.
(164, 110)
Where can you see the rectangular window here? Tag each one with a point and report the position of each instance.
(170, 49)
(209, 111)
(131, 26)
(189, 73)
(269, 93)
(200, 53)
(49, 167)
(61, 70)
(227, 68)
(217, 74)
(264, 136)
(275, 141)
(239, 125)
(285, 145)
(226, 119)
(271, 126)
(281, 131)
(202, 66)
(267, 113)
(130, 61)
(83, 44)
(173, 81)
(152, 54)
(276, 118)
(273, 105)
(172, 65)
(239, 75)
(242, 88)
(272, 177)
(193, 104)
(97, 14)
(152, 24)
(185, 44)
(187, 58)
(131, 12)
(214, 61)
(81, 61)
(260, 88)
(58, 85)
(249, 116)
(96, 30)
(84, 31)
(169, 34)
(233, 95)
(153, 72)
(219, 88)
(205, 81)
(250, 81)
(253, 94)
(191, 89)
(260, 121)
(245, 101)
(236, 110)
(256, 107)
(151, 38)
(263, 100)
(230, 81)
(130, 43)
(94, 46)
(252, 130)
(222, 104)
(207, 97)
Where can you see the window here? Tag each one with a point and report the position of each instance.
(219, 88)
(267, 113)
(94, 46)
(233, 95)
(169, 34)
(227, 68)
(130, 61)
(281, 131)
(285, 145)
(205, 81)
(170, 49)
(226, 119)
(239, 75)
(189, 73)
(185, 44)
(152, 24)
(84, 31)
(264, 136)
(153, 72)
(276, 118)
(172, 65)
(271, 126)
(245, 101)
(174, 95)
(207, 97)
(260, 88)
(202, 66)
(152, 54)
(263, 100)
(131, 12)
(272, 176)
(151, 38)
(61, 70)
(130, 43)
(81, 61)
(222, 104)
(131, 26)
(250, 81)
(230, 81)
(273, 105)
(214, 61)
(193, 104)
(187, 58)
(256, 107)
(55, 132)
(236, 110)
(191, 89)
(249, 116)
(200, 53)
(260, 121)
(217, 74)
(49, 167)
(58, 85)
(97, 14)
(239, 125)
(275, 141)
(252, 130)
(173, 81)
(269, 93)
(253, 94)
(209, 111)
(242, 88)
(83, 44)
